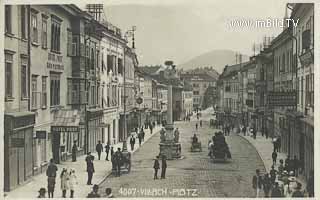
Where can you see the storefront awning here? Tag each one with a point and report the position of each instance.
(65, 121)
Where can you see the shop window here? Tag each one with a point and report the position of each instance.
(24, 85)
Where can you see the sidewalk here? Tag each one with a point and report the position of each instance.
(102, 170)
(264, 148)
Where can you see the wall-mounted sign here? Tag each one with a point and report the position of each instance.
(282, 98)
(41, 135)
(17, 142)
(139, 100)
(64, 128)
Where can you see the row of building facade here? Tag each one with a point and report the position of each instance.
(274, 91)
(71, 78)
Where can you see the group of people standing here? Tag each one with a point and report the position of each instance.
(156, 167)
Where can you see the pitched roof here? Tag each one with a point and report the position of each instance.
(150, 70)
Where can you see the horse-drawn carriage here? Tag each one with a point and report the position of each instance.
(219, 150)
(125, 162)
(195, 144)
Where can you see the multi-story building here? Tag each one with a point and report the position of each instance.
(302, 143)
(187, 101)
(162, 101)
(200, 83)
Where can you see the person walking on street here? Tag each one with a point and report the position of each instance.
(72, 182)
(90, 168)
(281, 167)
(64, 176)
(142, 134)
(140, 138)
(99, 149)
(51, 174)
(107, 149)
(132, 142)
(200, 123)
(163, 167)
(274, 157)
(196, 126)
(254, 133)
(310, 184)
(111, 152)
(273, 174)
(118, 160)
(151, 128)
(74, 151)
(244, 130)
(266, 182)
(276, 191)
(156, 167)
(257, 183)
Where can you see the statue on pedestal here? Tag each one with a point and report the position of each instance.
(162, 135)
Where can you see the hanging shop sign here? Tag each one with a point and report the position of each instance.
(64, 128)
(41, 135)
(282, 98)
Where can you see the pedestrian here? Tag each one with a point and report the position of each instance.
(154, 123)
(74, 151)
(132, 142)
(156, 167)
(72, 182)
(296, 166)
(281, 167)
(244, 130)
(273, 174)
(298, 192)
(51, 174)
(257, 183)
(64, 176)
(99, 149)
(196, 126)
(310, 184)
(94, 193)
(42, 193)
(274, 157)
(151, 128)
(140, 138)
(254, 132)
(107, 149)
(118, 160)
(278, 144)
(163, 167)
(111, 152)
(266, 185)
(90, 168)
(276, 191)
(109, 193)
(200, 123)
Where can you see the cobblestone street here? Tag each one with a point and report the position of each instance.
(195, 172)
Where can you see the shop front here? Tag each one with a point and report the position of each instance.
(18, 157)
(95, 128)
(65, 131)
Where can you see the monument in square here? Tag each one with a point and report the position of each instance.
(169, 144)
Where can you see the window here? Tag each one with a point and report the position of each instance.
(109, 63)
(44, 36)
(23, 22)
(34, 92)
(34, 23)
(92, 59)
(120, 66)
(8, 76)
(8, 27)
(24, 85)
(54, 89)
(55, 34)
(44, 92)
(195, 92)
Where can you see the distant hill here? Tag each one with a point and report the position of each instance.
(216, 58)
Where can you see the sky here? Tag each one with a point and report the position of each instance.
(182, 29)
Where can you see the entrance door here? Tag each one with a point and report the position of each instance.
(56, 146)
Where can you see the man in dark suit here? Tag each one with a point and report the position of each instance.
(118, 160)
(156, 167)
(107, 148)
(99, 148)
(163, 167)
(257, 182)
(90, 168)
(132, 142)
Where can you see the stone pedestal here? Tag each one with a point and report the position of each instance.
(169, 147)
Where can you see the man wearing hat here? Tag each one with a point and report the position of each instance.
(156, 167)
(94, 193)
